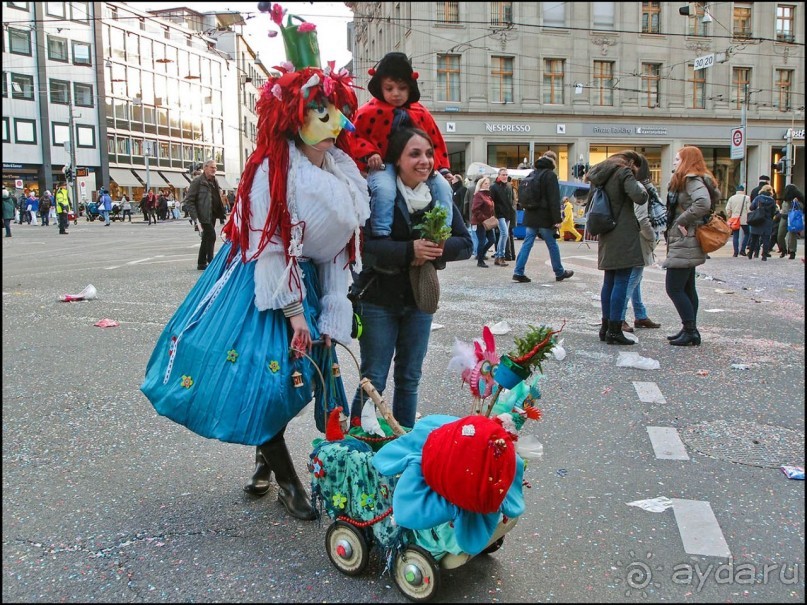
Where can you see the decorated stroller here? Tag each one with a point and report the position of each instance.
(448, 490)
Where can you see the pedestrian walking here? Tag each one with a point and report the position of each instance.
(126, 206)
(761, 233)
(792, 197)
(504, 210)
(104, 205)
(542, 219)
(63, 209)
(45, 202)
(8, 211)
(204, 204)
(737, 207)
(481, 211)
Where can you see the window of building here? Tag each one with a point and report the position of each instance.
(19, 5)
(60, 92)
(22, 87)
(448, 12)
(110, 145)
(81, 54)
(448, 78)
(785, 18)
(501, 77)
(740, 78)
(59, 133)
(784, 84)
(137, 146)
(25, 131)
(554, 14)
(651, 16)
(696, 26)
(651, 76)
(603, 13)
(604, 83)
(697, 84)
(54, 9)
(6, 130)
(742, 20)
(501, 13)
(79, 11)
(117, 48)
(57, 49)
(19, 41)
(123, 145)
(83, 95)
(5, 85)
(553, 81)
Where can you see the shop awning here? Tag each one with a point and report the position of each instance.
(154, 178)
(175, 179)
(224, 183)
(123, 177)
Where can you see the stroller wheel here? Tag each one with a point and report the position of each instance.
(416, 574)
(494, 547)
(347, 548)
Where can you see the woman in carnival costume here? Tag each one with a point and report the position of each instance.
(230, 364)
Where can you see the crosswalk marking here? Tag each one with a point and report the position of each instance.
(699, 529)
(649, 392)
(666, 443)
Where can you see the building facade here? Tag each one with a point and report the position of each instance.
(133, 99)
(507, 81)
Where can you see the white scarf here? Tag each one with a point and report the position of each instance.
(417, 198)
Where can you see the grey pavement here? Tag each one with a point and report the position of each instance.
(105, 501)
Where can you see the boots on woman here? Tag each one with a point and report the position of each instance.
(614, 336)
(689, 336)
(676, 335)
(603, 329)
(292, 494)
(259, 484)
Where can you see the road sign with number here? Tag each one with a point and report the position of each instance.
(704, 62)
(737, 143)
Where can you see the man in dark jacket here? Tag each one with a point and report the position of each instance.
(203, 201)
(543, 220)
(505, 211)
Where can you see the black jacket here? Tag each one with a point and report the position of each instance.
(548, 214)
(386, 260)
(203, 200)
(502, 194)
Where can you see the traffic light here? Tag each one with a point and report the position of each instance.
(687, 10)
(68, 175)
(781, 165)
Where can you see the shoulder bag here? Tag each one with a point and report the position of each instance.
(713, 234)
(795, 218)
(734, 221)
(756, 217)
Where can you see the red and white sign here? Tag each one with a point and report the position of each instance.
(18, 183)
(737, 143)
(83, 186)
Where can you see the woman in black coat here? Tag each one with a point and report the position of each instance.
(761, 234)
(619, 250)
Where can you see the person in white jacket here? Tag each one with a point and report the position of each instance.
(649, 238)
(737, 205)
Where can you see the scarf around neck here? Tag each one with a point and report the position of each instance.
(417, 198)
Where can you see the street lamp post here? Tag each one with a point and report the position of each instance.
(74, 184)
(147, 154)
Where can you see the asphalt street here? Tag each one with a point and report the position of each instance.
(105, 501)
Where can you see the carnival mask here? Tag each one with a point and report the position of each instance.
(323, 122)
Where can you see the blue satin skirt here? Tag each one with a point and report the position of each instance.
(223, 369)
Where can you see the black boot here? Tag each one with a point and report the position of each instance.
(603, 329)
(793, 255)
(259, 484)
(292, 494)
(690, 336)
(614, 336)
(676, 335)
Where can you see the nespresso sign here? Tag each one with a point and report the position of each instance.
(507, 127)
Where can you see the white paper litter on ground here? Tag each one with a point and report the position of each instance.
(722, 291)
(714, 310)
(740, 366)
(499, 328)
(558, 351)
(631, 336)
(634, 360)
(437, 327)
(654, 505)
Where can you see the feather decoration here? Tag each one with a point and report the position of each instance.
(369, 420)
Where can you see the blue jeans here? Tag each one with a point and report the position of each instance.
(614, 293)
(383, 187)
(474, 239)
(484, 240)
(735, 238)
(104, 215)
(548, 235)
(404, 332)
(504, 235)
(634, 293)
